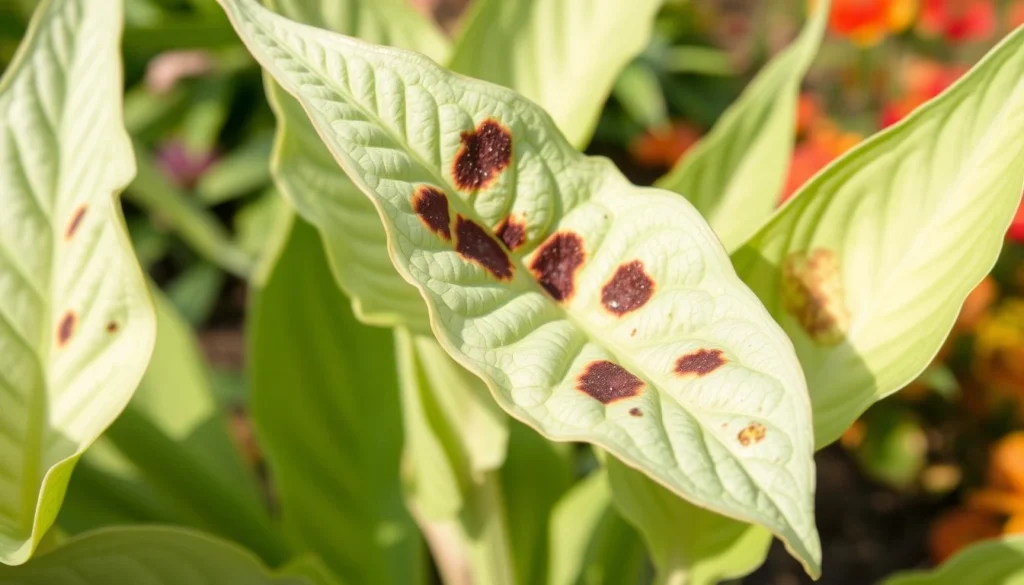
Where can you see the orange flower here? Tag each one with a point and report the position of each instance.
(1016, 14)
(662, 148)
(957, 529)
(1015, 525)
(977, 304)
(808, 112)
(866, 22)
(824, 142)
(922, 80)
(999, 355)
(1006, 464)
(958, 21)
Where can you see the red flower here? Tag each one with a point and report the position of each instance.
(866, 22)
(923, 80)
(663, 147)
(1016, 231)
(958, 21)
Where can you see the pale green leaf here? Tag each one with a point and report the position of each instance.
(590, 543)
(302, 165)
(731, 432)
(561, 54)
(735, 174)
(153, 556)
(993, 562)
(325, 403)
(688, 544)
(169, 457)
(76, 323)
(866, 268)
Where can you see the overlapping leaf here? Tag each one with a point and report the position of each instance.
(734, 175)
(76, 324)
(561, 54)
(154, 556)
(594, 310)
(995, 562)
(866, 268)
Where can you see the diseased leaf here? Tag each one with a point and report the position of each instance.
(169, 457)
(688, 544)
(993, 562)
(302, 165)
(76, 323)
(734, 176)
(324, 398)
(537, 264)
(562, 54)
(866, 268)
(154, 556)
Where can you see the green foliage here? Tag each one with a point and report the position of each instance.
(76, 324)
(995, 562)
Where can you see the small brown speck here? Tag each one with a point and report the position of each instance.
(633, 332)
(74, 222)
(66, 328)
(112, 327)
(512, 231)
(635, 412)
(752, 433)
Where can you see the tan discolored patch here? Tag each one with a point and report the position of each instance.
(812, 291)
(484, 154)
(556, 263)
(608, 382)
(475, 244)
(512, 231)
(629, 289)
(751, 434)
(431, 206)
(636, 412)
(633, 332)
(113, 327)
(701, 362)
(74, 222)
(66, 328)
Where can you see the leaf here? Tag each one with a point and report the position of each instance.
(301, 164)
(154, 556)
(590, 543)
(325, 404)
(992, 562)
(169, 457)
(719, 407)
(734, 176)
(867, 267)
(76, 323)
(688, 544)
(561, 54)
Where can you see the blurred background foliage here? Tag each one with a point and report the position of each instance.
(921, 475)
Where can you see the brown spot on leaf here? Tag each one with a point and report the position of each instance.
(432, 207)
(607, 382)
(635, 412)
(629, 289)
(512, 231)
(751, 434)
(112, 327)
(633, 332)
(474, 243)
(701, 362)
(556, 263)
(66, 328)
(74, 222)
(485, 152)
(812, 291)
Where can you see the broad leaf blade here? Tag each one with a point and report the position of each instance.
(325, 404)
(76, 324)
(994, 562)
(735, 174)
(154, 556)
(711, 403)
(561, 54)
(684, 540)
(301, 164)
(866, 268)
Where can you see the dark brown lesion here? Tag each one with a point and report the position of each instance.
(74, 222)
(66, 328)
(608, 382)
(113, 327)
(751, 434)
(556, 263)
(431, 205)
(475, 244)
(512, 231)
(635, 412)
(700, 363)
(812, 292)
(485, 152)
(629, 289)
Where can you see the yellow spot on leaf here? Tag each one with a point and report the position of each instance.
(812, 291)
(751, 434)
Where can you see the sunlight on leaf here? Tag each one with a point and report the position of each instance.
(593, 309)
(76, 323)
